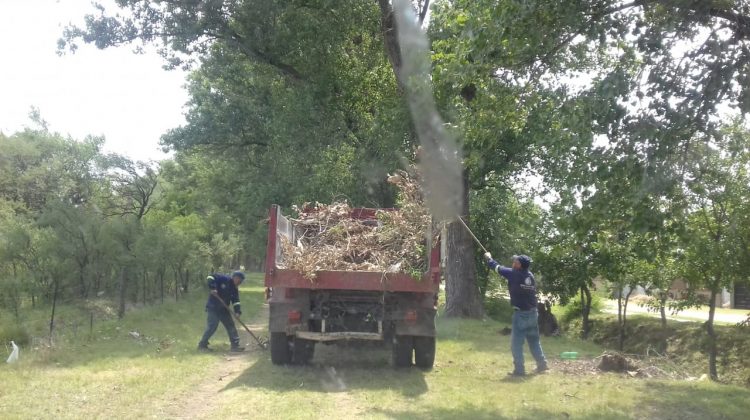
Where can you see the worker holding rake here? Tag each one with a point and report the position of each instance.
(224, 292)
(522, 288)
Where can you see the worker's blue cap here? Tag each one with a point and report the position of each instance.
(524, 260)
(239, 274)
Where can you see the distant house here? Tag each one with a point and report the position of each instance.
(737, 297)
(741, 296)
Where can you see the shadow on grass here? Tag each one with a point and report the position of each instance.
(464, 412)
(336, 368)
(468, 411)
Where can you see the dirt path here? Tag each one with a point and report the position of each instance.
(198, 401)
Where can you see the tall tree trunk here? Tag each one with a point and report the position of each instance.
(145, 280)
(623, 319)
(390, 38)
(16, 294)
(662, 309)
(54, 306)
(712, 350)
(177, 282)
(82, 281)
(161, 283)
(123, 291)
(585, 310)
(462, 295)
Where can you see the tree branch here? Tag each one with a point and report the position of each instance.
(423, 12)
(390, 38)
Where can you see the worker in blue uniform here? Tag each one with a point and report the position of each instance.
(522, 288)
(224, 288)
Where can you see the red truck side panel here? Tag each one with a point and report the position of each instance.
(353, 280)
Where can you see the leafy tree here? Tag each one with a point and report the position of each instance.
(717, 194)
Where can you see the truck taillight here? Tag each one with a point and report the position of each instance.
(294, 317)
(410, 316)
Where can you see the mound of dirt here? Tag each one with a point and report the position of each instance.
(616, 362)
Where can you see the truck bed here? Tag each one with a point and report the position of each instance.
(343, 280)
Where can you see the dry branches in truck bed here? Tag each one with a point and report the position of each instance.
(395, 240)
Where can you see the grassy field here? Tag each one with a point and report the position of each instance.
(162, 376)
(113, 374)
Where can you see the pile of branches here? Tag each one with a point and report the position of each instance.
(328, 238)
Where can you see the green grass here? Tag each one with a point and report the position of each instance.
(119, 377)
(113, 374)
(468, 381)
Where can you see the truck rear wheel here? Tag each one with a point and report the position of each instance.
(424, 352)
(303, 351)
(280, 351)
(402, 350)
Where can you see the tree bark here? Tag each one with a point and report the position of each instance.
(623, 319)
(145, 281)
(390, 38)
(161, 283)
(585, 310)
(712, 350)
(662, 309)
(123, 291)
(54, 306)
(462, 295)
(82, 280)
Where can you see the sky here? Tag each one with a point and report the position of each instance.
(127, 98)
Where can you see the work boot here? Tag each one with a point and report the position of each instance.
(237, 349)
(541, 369)
(516, 374)
(204, 349)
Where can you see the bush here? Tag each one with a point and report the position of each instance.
(574, 309)
(15, 333)
(498, 308)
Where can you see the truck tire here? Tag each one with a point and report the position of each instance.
(424, 352)
(403, 346)
(303, 351)
(280, 352)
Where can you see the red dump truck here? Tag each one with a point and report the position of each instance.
(393, 308)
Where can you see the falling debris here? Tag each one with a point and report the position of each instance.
(330, 238)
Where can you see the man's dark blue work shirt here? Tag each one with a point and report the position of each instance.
(521, 284)
(227, 292)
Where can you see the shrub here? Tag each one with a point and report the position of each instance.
(498, 307)
(15, 333)
(574, 308)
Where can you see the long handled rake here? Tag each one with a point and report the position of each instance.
(262, 342)
(471, 233)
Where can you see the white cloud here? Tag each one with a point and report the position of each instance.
(125, 97)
